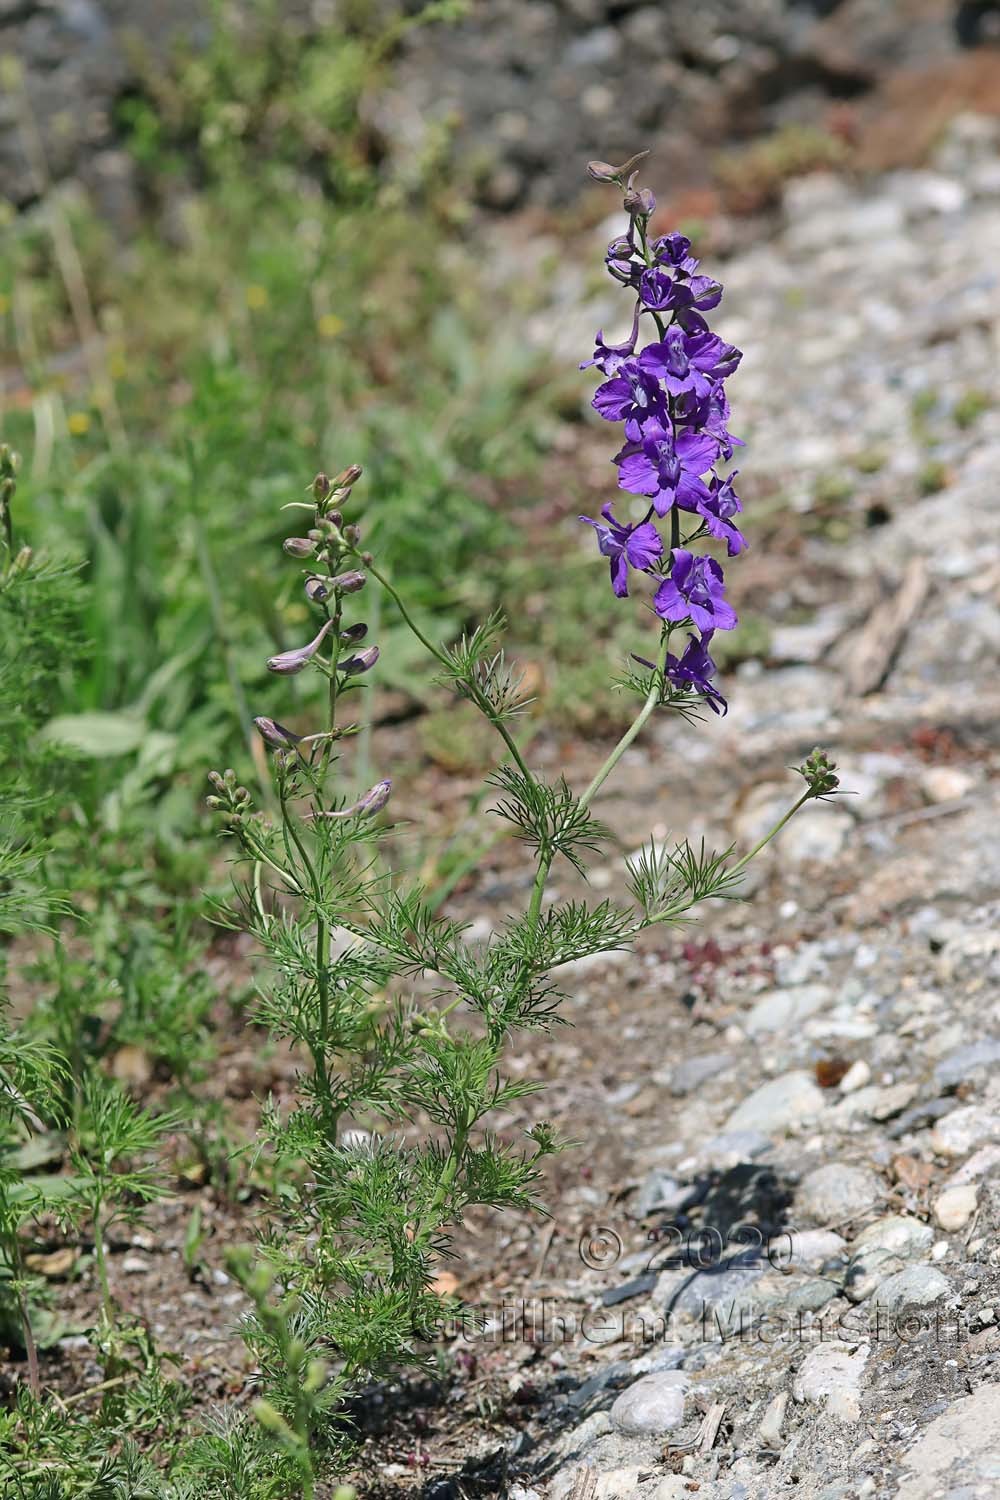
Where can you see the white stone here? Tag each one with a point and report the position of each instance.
(771, 1423)
(833, 1376)
(981, 1162)
(805, 1249)
(780, 1009)
(945, 783)
(858, 1076)
(959, 1449)
(652, 1404)
(965, 1129)
(917, 1286)
(955, 1206)
(789, 1100)
(836, 1191)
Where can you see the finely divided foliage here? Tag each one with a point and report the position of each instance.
(368, 981)
(399, 1020)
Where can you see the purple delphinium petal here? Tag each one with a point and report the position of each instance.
(695, 669)
(694, 591)
(626, 547)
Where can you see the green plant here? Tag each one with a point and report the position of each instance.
(367, 981)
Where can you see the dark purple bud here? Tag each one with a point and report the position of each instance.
(320, 487)
(317, 589)
(275, 734)
(353, 634)
(363, 661)
(298, 546)
(348, 476)
(367, 806)
(348, 583)
(289, 662)
(335, 518)
(352, 534)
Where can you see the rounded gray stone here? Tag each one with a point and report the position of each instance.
(836, 1191)
(653, 1404)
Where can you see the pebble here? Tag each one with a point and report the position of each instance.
(881, 1249)
(858, 1076)
(955, 1206)
(959, 1065)
(787, 1101)
(981, 1162)
(963, 1130)
(833, 1375)
(958, 1450)
(917, 1286)
(653, 1404)
(780, 1009)
(769, 1431)
(836, 1191)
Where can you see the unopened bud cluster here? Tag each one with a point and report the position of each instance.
(230, 797)
(330, 546)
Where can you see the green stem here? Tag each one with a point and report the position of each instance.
(653, 698)
(100, 1261)
(475, 693)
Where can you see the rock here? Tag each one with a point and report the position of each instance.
(924, 193)
(653, 1404)
(833, 1376)
(790, 1100)
(945, 783)
(808, 1249)
(779, 1010)
(659, 1192)
(961, 1064)
(882, 1249)
(958, 1451)
(954, 1207)
(892, 1100)
(917, 1286)
(964, 1129)
(689, 1075)
(858, 1076)
(978, 1165)
(817, 835)
(618, 1484)
(836, 1192)
(733, 1146)
(855, 222)
(769, 1431)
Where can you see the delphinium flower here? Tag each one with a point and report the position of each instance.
(665, 383)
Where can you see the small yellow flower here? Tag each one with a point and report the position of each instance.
(328, 325)
(78, 423)
(257, 296)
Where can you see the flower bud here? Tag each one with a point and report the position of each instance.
(602, 171)
(363, 661)
(348, 476)
(317, 589)
(298, 546)
(215, 803)
(287, 663)
(352, 534)
(348, 583)
(640, 202)
(216, 780)
(320, 488)
(275, 734)
(367, 806)
(335, 518)
(353, 634)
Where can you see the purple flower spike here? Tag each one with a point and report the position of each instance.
(631, 397)
(695, 591)
(626, 547)
(290, 662)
